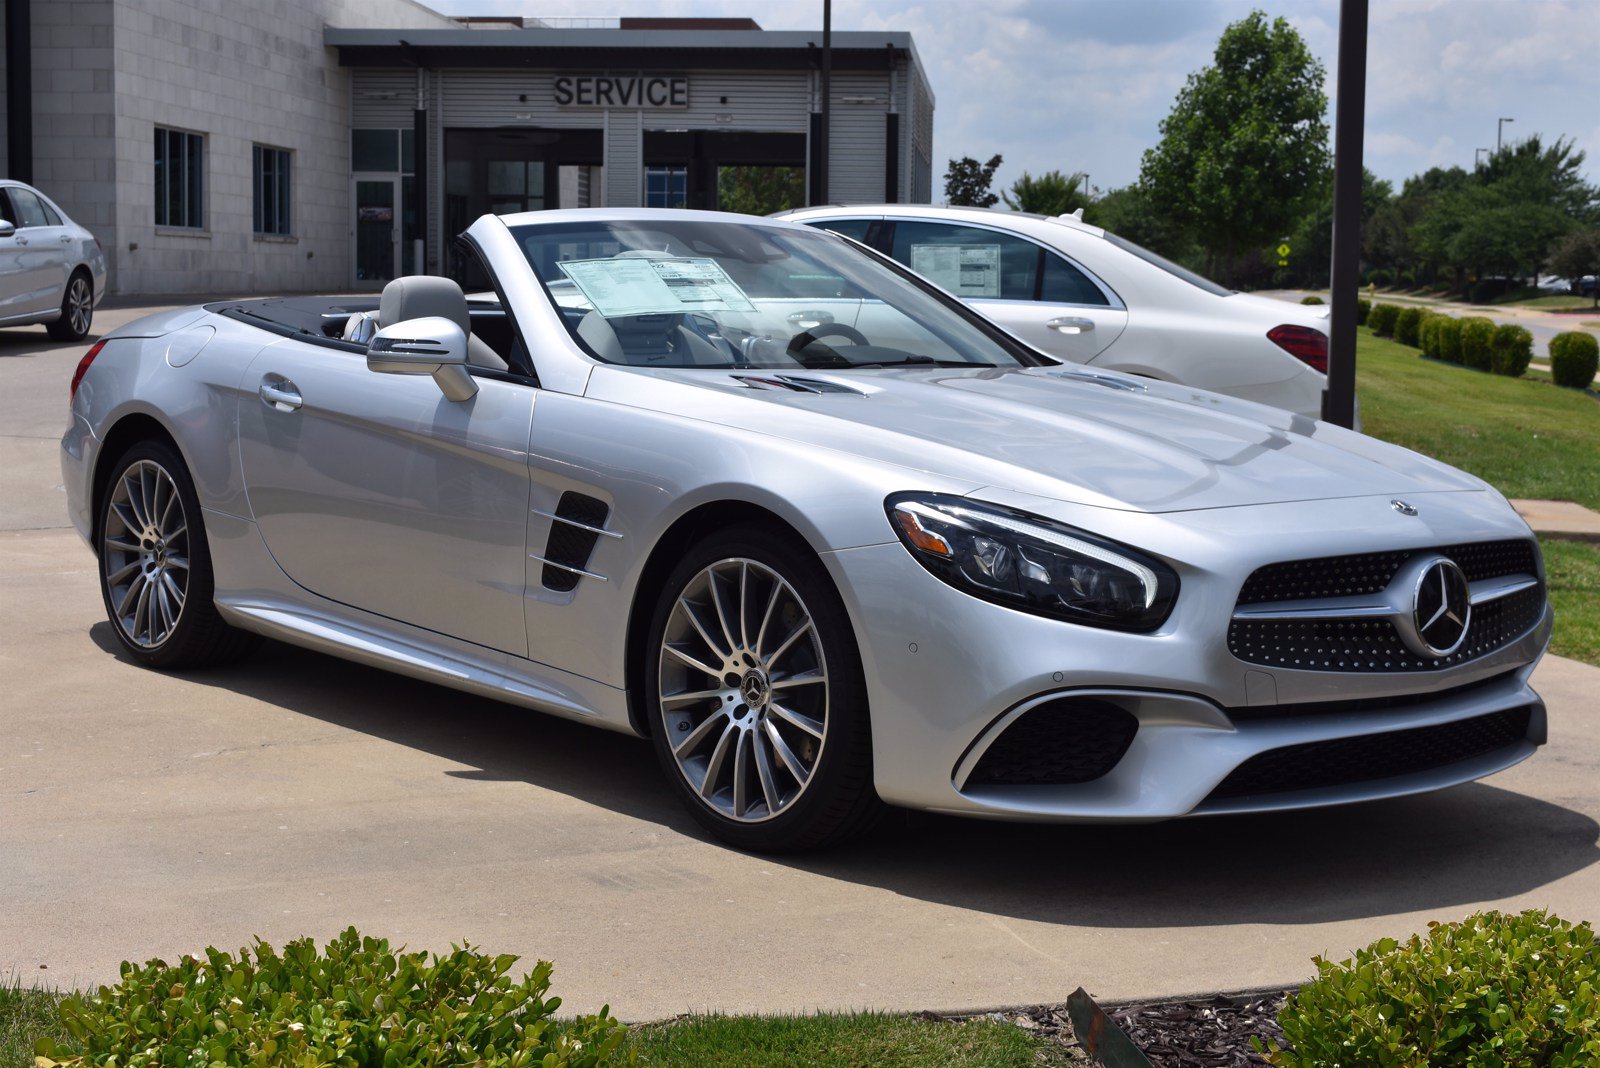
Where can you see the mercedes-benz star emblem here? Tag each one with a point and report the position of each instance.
(1402, 507)
(1443, 607)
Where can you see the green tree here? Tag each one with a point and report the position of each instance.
(1578, 255)
(1128, 213)
(1052, 193)
(1246, 141)
(760, 190)
(966, 183)
(1311, 239)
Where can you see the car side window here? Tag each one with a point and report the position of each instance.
(969, 261)
(1062, 283)
(29, 209)
(52, 217)
(853, 228)
(6, 212)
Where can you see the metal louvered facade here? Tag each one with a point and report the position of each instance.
(524, 119)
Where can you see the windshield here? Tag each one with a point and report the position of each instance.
(695, 293)
(1198, 280)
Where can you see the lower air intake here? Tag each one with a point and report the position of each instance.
(1062, 742)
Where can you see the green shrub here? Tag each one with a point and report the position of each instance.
(1494, 989)
(1477, 342)
(1363, 309)
(1311, 300)
(1381, 277)
(1513, 349)
(1450, 338)
(1428, 334)
(1406, 278)
(358, 1004)
(1574, 358)
(1406, 325)
(1382, 318)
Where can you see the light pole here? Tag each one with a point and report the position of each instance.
(1477, 160)
(1085, 188)
(1499, 129)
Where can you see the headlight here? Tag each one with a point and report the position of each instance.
(1033, 564)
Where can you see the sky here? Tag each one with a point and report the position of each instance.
(1082, 85)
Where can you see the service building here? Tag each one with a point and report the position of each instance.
(226, 146)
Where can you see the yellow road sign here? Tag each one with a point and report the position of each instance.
(1283, 250)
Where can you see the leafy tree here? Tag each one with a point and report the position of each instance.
(760, 190)
(966, 183)
(1246, 141)
(1311, 240)
(1578, 255)
(1127, 212)
(1052, 193)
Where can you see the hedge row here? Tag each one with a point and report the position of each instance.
(1474, 341)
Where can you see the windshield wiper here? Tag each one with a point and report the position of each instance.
(919, 361)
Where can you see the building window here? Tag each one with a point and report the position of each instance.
(666, 187)
(271, 170)
(383, 150)
(180, 184)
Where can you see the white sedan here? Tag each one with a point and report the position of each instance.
(1085, 295)
(52, 270)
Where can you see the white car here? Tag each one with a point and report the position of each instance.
(52, 270)
(1088, 296)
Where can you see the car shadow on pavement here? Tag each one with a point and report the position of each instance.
(33, 341)
(1434, 853)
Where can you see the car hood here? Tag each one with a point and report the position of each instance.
(1071, 434)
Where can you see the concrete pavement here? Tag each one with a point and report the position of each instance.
(144, 815)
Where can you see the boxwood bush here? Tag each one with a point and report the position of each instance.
(1428, 334)
(1477, 342)
(1513, 350)
(358, 1003)
(1450, 338)
(1406, 325)
(1494, 989)
(1311, 300)
(1382, 318)
(1574, 358)
(1363, 309)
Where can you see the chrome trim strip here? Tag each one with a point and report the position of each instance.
(566, 567)
(1318, 608)
(575, 523)
(1486, 590)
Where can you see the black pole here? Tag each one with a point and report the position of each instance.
(419, 181)
(19, 90)
(827, 95)
(1339, 399)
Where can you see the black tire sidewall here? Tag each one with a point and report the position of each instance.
(62, 329)
(197, 612)
(842, 781)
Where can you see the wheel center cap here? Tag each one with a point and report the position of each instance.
(754, 689)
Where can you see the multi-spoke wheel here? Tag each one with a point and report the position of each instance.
(155, 565)
(759, 710)
(77, 310)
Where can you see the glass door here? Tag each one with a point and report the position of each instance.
(377, 231)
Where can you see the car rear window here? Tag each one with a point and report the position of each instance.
(1199, 281)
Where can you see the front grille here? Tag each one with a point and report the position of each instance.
(1374, 645)
(1062, 742)
(1343, 761)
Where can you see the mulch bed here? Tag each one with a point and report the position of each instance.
(1210, 1033)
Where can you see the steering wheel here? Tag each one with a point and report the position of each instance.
(822, 330)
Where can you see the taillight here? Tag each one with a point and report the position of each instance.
(1308, 346)
(83, 368)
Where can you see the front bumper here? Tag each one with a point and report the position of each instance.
(946, 672)
(79, 447)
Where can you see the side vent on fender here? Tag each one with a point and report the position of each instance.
(576, 525)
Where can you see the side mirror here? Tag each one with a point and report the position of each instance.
(429, 346)
(7, 228)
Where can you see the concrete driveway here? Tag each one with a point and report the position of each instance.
(149, 815)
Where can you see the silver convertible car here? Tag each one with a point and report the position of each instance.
(824, 535)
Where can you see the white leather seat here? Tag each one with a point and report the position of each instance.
(419, 296)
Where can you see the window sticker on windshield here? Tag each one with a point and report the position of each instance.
(965, 270)
(639, 286)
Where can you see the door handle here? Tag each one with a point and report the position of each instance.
(22, 241)
(66, 239)
(280, 394)
(1071, 324)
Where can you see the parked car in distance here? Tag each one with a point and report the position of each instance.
(817, 529)
(1085, 295)
(52, 270)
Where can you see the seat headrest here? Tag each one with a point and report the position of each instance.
(419, 296)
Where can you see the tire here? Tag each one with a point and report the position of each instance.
(155, 565)
(773, 752)
(77, 310)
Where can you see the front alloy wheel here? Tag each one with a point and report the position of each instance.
(77, 311)
(758, 707)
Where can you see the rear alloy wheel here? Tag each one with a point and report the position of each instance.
(758, 709)
(77, 311)
(155, 565)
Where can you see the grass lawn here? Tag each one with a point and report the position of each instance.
(26, 1015)
(832, 1039)
(1528, 438)
(1573, 571)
